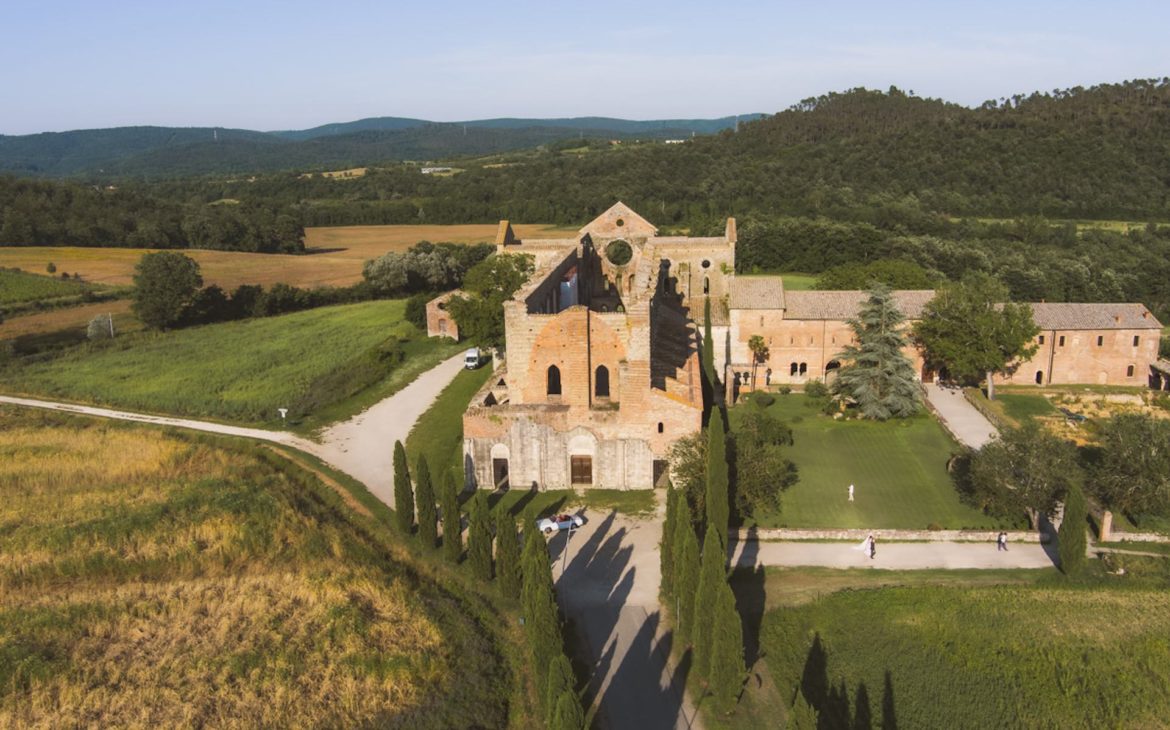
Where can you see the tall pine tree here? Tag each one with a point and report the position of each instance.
(452, 520)
(424, 498)
(1071, 540)
(507, 555)
(877, 375)
(686, 580)
(717, 503)
(712, 576)
(403, 494)
(666, 545)
(727, 671)
(479, 538)
(538, 603)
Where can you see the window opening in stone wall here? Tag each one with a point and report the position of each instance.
(601, 382)
(660, 427)
(619, 253)
(554, 380)
(1041, 339)
(803, 368)
(793, 368)
(706, 264)
(1039, 377)
(442, 326)
(1100, 340)
(706, 285)
(1060, 342)
(1136, 340)
(1129, 371)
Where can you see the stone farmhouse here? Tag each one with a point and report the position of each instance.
(602, 371)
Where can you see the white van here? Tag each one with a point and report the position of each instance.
(471, 358)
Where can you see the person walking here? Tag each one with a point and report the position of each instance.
(1001, 542)
(872, 547)
(850, 492)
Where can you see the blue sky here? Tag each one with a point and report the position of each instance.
(293, 64)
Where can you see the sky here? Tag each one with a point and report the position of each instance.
(295, 64)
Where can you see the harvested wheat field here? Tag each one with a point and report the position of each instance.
(154, 580)
(340, 253)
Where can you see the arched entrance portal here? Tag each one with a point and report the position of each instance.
(500, 455)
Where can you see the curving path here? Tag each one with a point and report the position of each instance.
(362, 447)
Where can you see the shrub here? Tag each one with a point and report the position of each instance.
(416, 309)
(816, 389)
(763, 400)
(785, 389)
(51, 268)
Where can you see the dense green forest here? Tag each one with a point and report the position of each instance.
(153, 153)
(840, 179)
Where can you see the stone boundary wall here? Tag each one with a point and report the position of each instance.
(988, 536)
(1118, 536)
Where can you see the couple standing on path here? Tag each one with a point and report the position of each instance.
(868, 546)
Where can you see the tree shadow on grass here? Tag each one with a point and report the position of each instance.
(832, 701)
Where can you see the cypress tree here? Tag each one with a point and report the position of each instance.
(479, 538)
(712, 575)
(452, 520)
(718, 506)
(568, 715)
(877, 374)
(727, 671)
(507, 555)
(403, 494)
(424, 498)
(708, 352)
(538, 603)
(666, 545)
(686, 579)
(1071, 539)
(802, 716)
(560, 680)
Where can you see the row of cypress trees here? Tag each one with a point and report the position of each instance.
(695, 583)
(525, 573)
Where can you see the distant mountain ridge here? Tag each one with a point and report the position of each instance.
(179, 151)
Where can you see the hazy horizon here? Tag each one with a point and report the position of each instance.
(282, 66)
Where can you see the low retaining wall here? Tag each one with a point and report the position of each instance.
(780, 533)
(1118, 536)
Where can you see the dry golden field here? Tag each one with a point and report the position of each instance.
(343, 251)
(152, 580)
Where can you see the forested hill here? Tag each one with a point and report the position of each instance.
(154, 152)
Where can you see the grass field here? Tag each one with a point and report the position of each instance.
(898, 468)
(1020, 408)
(1048, 654)
(799, 282)
(154, 580)
(74, 319)
(237, 371)
(342, 251)
(20, 286)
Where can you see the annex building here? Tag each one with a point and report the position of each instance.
(602, 368)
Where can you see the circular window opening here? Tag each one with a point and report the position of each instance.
(706, 264)
(619, 253)
(620, 222)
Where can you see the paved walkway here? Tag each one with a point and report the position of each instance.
(893, 556)
(608, 587)
(961, 418)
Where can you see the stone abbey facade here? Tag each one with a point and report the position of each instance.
(602, 371)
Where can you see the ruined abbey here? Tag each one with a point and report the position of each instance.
(603, 375)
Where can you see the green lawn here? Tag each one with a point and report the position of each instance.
(898, 469)
(799, 282)
(438, 433)
(236, 371)
(1022, 408)
(1048, 654)
(19, 286)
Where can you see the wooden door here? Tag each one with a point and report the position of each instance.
(581, 469)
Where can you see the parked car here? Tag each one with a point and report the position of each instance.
(549, 525)
(471, 358)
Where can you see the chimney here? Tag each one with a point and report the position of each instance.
(1145, 314)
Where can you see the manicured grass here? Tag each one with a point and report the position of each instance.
(438, 433)
(1022, 408)
(799, 282)
(595, 502)
(1052, 654)
(153, 579)
(238, 371)
(19, 286)
(898, 468)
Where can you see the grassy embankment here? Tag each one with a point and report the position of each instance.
(154, 579)
(321, 364)
(898, 468)
(1037, 651)
(438, 435)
